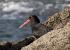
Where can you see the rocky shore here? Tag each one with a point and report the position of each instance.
(57, 37)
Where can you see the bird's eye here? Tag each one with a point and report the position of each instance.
(30, 17)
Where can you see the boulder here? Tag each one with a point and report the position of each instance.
(58, 39)
(58, 35)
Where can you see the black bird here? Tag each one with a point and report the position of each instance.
(38, 29)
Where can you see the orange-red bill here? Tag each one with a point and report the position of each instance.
(23, 24)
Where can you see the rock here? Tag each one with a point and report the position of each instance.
(58, 20)
(58, 39)
(16, 45)
(23, 43)
(58, 35)
(6, 46)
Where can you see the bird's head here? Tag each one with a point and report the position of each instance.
(33, 20)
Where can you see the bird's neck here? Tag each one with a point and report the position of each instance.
(33, 24)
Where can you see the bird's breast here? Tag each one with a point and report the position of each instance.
(39, 30)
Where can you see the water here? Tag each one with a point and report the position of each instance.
(9, 30)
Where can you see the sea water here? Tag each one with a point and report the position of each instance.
(9, 30)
